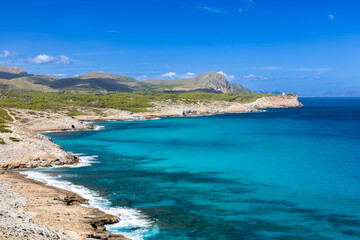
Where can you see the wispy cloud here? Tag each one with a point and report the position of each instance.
(253, 77)
(332, 17)
(46, 59)
(142, 77)
(113, 31)
(302, 69)
(249, 3)
(211, 9)
(268, 68)
(302, 77)
(8, 53)
(320, 77)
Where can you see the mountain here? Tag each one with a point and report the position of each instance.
(18, 78)
(210, 81)
(12, 72)
(100, 81)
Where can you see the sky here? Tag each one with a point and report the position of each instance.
(307, 47)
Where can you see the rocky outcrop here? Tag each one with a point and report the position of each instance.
(7, 72)
(24, 147)
(31, 150)
(31, 210)
(278, 101)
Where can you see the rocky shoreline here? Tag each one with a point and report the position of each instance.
(32, 210)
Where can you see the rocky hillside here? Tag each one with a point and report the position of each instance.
(18, 78)
(12, 72)
(100, 81)
(209, 82)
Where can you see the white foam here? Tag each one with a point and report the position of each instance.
(85, 161)
(98, 127)
(132, 223)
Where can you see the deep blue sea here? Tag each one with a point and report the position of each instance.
(281, 174)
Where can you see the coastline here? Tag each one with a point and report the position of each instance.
(38, 144)
(52, 212)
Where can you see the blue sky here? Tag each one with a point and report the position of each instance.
(302, 46)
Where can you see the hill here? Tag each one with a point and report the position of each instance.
(17, 78)
(12, 72)
(100, 81)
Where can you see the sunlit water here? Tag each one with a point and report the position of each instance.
(281, 174)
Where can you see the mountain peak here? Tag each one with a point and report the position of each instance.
(9, 72)
(12, 69)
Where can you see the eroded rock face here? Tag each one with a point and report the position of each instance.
(32, 150)
(279, 101)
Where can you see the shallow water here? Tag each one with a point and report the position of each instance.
(281, 174)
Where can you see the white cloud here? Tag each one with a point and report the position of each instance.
(8, 53)
(188, 75)
(46, 59)
(228, 77)
(64, 60)
(253, 77)
(231, 77)
(170, 75)
(43, 58)
(222, 73)
(142, 77)
(332, 17)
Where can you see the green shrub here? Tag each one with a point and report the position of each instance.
(14, 139)
(4, 130)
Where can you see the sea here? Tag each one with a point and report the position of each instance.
(291, 173)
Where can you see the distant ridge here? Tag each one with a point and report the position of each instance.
(102, 81)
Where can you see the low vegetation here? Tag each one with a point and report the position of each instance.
(4, 117)
(14, 139)
(135, 102)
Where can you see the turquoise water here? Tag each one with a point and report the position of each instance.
(281, 174)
